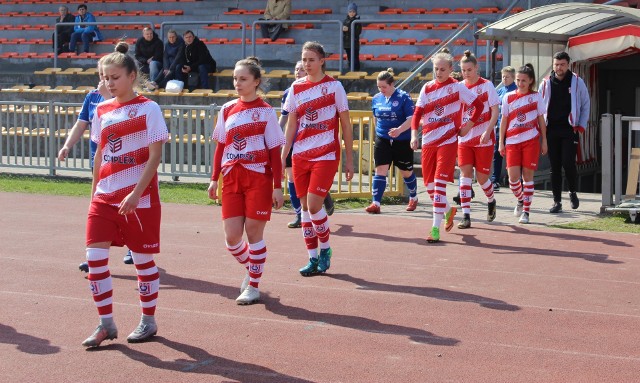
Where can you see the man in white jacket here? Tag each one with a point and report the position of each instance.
(568, 105)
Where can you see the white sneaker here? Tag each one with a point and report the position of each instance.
(524, 218)
(518, 210)
(245, 282)
(249, 296)
(100, 334)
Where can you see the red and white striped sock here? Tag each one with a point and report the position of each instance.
(465, 194)
(148, 281)
(440, 204)
(100, 281)
(309, 234)
(431, 190)
(516, 188)
(321, 226)
(257, 258)
(528, 195)
(240, 252)
(487, 188)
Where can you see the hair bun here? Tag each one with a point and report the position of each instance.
(445, 50)
(529, 65)
(122, 47)
(390, 70)
(467, 53)
(254, 60)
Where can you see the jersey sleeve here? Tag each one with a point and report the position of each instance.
(504, 111)
(422, 98)
(493, 98)
(466, 95)
(95, 128)
(407, 106)
(219, 133)
(84, 112)
(342, 104)
(156, 126)
(542, 108)
(273, 135)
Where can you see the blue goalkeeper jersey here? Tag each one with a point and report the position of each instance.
(391, 113)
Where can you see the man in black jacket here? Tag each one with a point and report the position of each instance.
(197, 59)
(149, 51)
(64, 31)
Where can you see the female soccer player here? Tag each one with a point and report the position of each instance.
(392, 111)
(475, 149)
(248, 156)
(316, 103)
(125, 207)
(440, 102)
(521, 127)
(295, 201)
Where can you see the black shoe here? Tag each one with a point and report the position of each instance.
(296, 223)
(128, 259)
(84, 266)
(575, 202)
(466, 222)
(496, 186)
(473, 194)
(456, 199)
(491, 211)
(329, 206)
(556, 208)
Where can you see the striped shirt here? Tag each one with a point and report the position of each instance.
(521, 112)
(489, 97)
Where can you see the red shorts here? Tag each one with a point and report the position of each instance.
(139, 230)
(314, 176)
(525, 154)
(246, 193)
(480, 157)
(439, 162)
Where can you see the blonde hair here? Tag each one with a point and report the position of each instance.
(387, 76)
(509, 70)
(443, 55)
(468, 57)
(120, 58)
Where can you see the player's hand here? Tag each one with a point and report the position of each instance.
(129, 204)
(501, 149)
(348, 170)
(544, 147)
(63, 153)
(278, 198)
(464, 130)
(213, 190)
(283, 158)
(393, 133)
(484, 138)
(414, 143)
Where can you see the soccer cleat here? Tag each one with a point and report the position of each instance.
(373, 208)
(491, 211)
(324, 260)
(329, 206)
(456, 199)
(448, 217)
(575, 202)
(556, 208)
(100, 334)
(518, 210)
(413, 204)
(434, 236)
(128, 258)
(143, 332)
(249, 296)
(310, 269)
(466, 222)
(524, 218)
(496, 186)
(84, 266)
(296, 223)
(245, 282)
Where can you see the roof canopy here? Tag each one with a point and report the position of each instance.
(559, 22)
(615, 42)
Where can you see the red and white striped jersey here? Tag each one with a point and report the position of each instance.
(317, 105)
(487, 94)
(123, 133)
(521, 112)
(442, 103)
(248, 130)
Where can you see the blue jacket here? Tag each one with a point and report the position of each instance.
(88, 18)
(580, 101)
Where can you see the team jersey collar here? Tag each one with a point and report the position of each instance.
(443, 84)
(136, 100)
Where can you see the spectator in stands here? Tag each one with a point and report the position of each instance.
(276, 10)
(509, 85)
(352, 15)
(173, 53)
(149, 52)
(64, 31)
(196, 59)
(568, 105)
(86, 33)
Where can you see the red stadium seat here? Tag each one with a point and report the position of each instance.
(447, 26)
(300, 11)
(415, 11)
(381, 41)
(375, 26)
(410, 57)
(300, 26)
(404, 42)
(429, 42)
(391, 11)
(439, 11)
(488, 10)
(462, 10)
(421, 26)
(321, 11)
(217, 41)
(386, 57)
(398, 26)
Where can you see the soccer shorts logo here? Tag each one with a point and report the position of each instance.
(239, 143)
(144, 288)
(311, 114)
(522, 117)
(438, 110)
(307, 232)
(95, 287)
(115, 143)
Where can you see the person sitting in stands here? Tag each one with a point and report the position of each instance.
(276, 10)
(86, 33)
(196, 59)
(173, 54)
(149, 51)
(64, 31)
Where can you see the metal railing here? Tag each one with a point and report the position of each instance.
(33, 132)
(284, 22)
(243, 28)
(55, 32)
